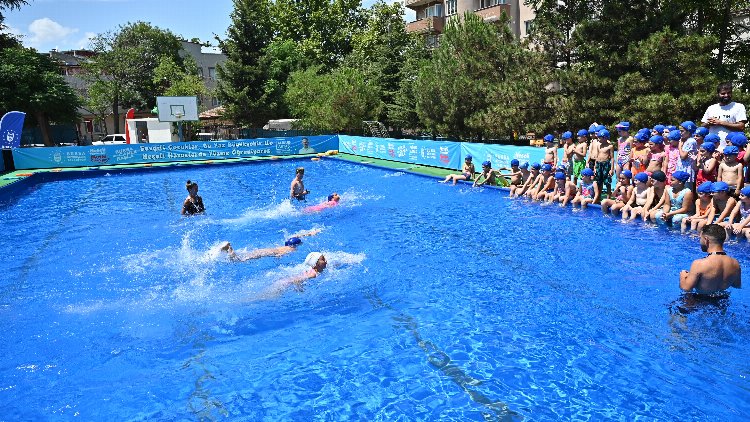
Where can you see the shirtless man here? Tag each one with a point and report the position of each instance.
(605, 163)
(715, 273)
(579, 155)
(297, 190)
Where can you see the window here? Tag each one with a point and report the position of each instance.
(450, 7)
(432, 41)
(489, 3)
(215, 102)
(212, 73)
(529, 26)
(430, 11)
(200, 71)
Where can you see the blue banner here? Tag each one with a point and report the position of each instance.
(91, 156)
(443, 154)
(500, 155)
(11, 128)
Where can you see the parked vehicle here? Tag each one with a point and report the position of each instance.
(118, 138)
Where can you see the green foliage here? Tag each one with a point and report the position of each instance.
(242, 78)
(7, 40)
(337, 101)
(324, 29)
(402, 112)
(478, 71)
(174, 80)
(31, 82)
(379, 50)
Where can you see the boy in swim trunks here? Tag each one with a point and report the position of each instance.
(533, 174)
(604, 163)
(730, 171)
(550, 151)
(721, 203)
(579, 155)
(569, 148)
(467, 172)
(545, 185)
(565, 190)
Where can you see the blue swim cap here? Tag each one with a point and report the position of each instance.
(330, 197)
(745, 191)
(623, 126)
(515, 162)
(659, 129)
(592, 129)
(600, 128)
(674, 135)
(627, 173)
(548, 138)
(731, 150)
(701, 131)
(524, 165)
(705, 187)
(739, 139)
(547, 167)
(642, 136)
(587, 172)
(487, 164)
(689, 126)
(712, 138)
(681, 176)
(536, 166)
(604, 133)
(293, 241)
(671, 127)
(567, 135)
(659, 176)
(719, 187)
(468, 157)
(657, 139)
(559, 175)
(583, 132)
(708, 146)
(642, 177)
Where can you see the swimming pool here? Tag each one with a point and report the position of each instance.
(441, 302)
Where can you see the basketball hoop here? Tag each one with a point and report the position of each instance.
(179, 115)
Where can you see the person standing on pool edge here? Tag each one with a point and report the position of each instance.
(193, 203)
(716, 272)
(297, 190)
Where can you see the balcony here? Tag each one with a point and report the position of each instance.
(416, 3)
(493, 13)
(431, 25)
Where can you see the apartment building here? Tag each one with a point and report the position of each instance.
(432, 15)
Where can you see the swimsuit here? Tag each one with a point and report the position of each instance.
(744, 213)
(675, 203)
(673, 156)
(578, 166)
(639, 159)
(602, 175)
(640, 198)
(703, 175)
(587, 190)
(623, 151)
(194, 206)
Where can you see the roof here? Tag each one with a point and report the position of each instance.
(214, 113)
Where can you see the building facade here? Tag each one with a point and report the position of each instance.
(433, 15)
(89, 129)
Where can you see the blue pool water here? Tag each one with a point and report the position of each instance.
(440, 303)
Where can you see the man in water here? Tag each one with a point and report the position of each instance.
(713, 275)
(297, 190)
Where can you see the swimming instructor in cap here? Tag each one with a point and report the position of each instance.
(715, 273)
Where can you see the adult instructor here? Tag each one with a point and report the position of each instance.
(716, 272)
(726, 116)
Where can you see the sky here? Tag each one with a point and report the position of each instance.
(70, 24)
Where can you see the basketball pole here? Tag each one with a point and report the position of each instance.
(179, 125)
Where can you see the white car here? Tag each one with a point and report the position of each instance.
(111, 140)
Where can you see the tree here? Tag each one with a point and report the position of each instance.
(123, 69)
(32, 83)
(324, 29)
(477, 71)
(379, 50)
(402, 112)
(7, 40)
(174, 80)
(338, 101)
(241, 77)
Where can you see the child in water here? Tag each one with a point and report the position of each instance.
(193, 203)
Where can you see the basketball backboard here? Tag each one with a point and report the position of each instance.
(177, 109)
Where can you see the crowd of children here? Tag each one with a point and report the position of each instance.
(675, 175)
